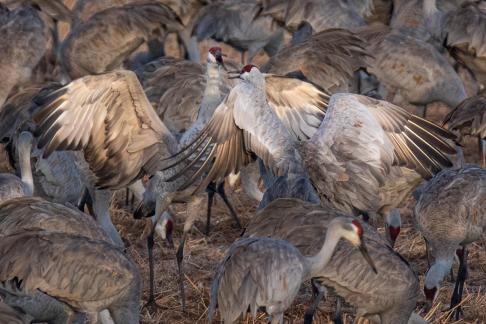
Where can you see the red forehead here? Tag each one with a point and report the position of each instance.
(359, 228)
(215, 50)
(169, 226)
(247, 68)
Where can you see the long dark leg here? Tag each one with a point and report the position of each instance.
(460, 280)
(228, 204)
(482, 152)
(318, 292)
(427, 252)
(180, 257)
(338, 316)
(211, 190)
(151, 303)
(127, 196)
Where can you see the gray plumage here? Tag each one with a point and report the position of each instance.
(30, 214)
(466, 35)
(469, 119)
(451, 213)
(105, 40)
(12, 316)
(366, 155)
(263, 272)
(412, 68)
(239, 25)
(33, 213)
(24, 36)
(391, 293)
(328, 59)
(55, 263)
(327, 14)
(10, 185)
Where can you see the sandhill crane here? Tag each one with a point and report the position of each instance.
(323, 15)
(328, 59)
(263, 272)
(390, 293)
(123, 120)
(10, 185)
(56, 178)
(239, 25)
(420, 19)
(24, 37)
(105, 40)
(410, 68)
(469, 119)
(110, 280)
(459, 194)
(13, 316)
(366, 156)
(465, 35)
(186, 10)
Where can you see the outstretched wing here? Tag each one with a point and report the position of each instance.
(109, 117)
(298, 104)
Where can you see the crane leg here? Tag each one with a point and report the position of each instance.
(482, 152)
(460, 280)
(221, 192)
(180, 257)
(151, 303)
(338, 316)
(318, 292)
(211, 190)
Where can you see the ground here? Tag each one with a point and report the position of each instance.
(203, 253)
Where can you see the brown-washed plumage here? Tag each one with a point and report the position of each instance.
(9, 315)
(391, 293)
(25, 214)
(328, 59)
(105, 40)
(469, 119)
(56, 263)
(451, 214)
(466, 35)
(410, 67)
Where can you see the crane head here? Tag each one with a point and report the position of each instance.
(215, 55)
(430, 294)
(165, 227)
(246, 72)
(355, 237)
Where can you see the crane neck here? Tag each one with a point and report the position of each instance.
(24, 146)
(318, 262)
(438, 271)
(212, 96)
(429, 7)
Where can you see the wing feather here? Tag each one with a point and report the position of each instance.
(109, 117)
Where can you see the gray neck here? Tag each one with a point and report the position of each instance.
(24, 147)
(437, 272)
(429, 7)
(320, 260)
(212, 93)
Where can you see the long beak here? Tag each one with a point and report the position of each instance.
(235, 77)
(170, 241)
(366, 256)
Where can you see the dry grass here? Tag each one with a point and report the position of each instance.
(203, 253)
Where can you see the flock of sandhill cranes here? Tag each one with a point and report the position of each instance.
(96, 106)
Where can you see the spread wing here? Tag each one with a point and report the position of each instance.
(241, 126)
(469, 118)
(109, 117)
(298, 104)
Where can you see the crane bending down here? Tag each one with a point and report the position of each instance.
(263, 272)
(450, 214)
(390, 294)
(109, 281)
